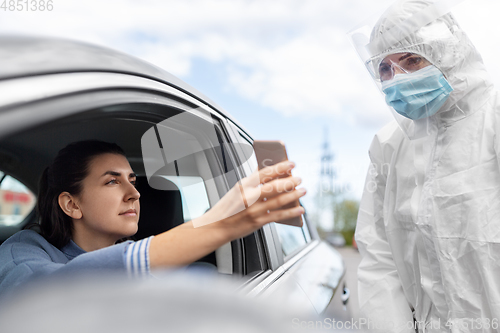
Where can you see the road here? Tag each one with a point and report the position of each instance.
(352, 259)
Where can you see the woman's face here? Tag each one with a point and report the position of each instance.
(109, 201)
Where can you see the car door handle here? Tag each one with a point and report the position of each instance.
(345, 296)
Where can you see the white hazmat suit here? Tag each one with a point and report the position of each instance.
(429, 222)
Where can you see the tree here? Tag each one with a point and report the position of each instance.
(345, 214)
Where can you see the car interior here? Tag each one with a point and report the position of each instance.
(24, 156)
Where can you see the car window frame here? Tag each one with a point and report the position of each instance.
(64, 103)
(260, 246)
(271, 237)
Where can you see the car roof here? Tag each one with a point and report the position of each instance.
(24, 56)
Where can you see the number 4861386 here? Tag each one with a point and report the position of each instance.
(27, 5)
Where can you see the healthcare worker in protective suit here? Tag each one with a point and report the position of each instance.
(429, 222)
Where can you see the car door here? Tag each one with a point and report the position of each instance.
(57, 109)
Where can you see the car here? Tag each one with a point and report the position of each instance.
(335, 239)
(56, 91)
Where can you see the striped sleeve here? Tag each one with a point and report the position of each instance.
(137, 258)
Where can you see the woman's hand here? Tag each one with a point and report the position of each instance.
(257, 200)
(249, 205)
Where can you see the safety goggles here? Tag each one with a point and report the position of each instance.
(401, 63)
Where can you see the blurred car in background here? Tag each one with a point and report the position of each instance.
(54, 92)
(335, 239)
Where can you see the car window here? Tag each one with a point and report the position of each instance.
(16, 201)
(193, 195)
(191, 151)
(291, 238)
(305, 230)
(253, 244)
(252, 254)
(252, 160)
(186, 149)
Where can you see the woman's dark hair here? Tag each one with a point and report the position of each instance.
(66, 174)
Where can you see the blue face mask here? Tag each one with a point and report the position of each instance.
(419, 94)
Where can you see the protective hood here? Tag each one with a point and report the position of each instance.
(427, 28)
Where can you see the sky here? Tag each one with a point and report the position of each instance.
(283, 69)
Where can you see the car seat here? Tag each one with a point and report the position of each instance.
(161, 210)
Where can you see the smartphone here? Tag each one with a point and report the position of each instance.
(270, 153)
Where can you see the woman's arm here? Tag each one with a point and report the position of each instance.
(228, 220)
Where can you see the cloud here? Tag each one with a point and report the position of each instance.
(288, 55)
(479, 21)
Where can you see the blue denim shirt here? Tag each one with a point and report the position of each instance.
(27, 255)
